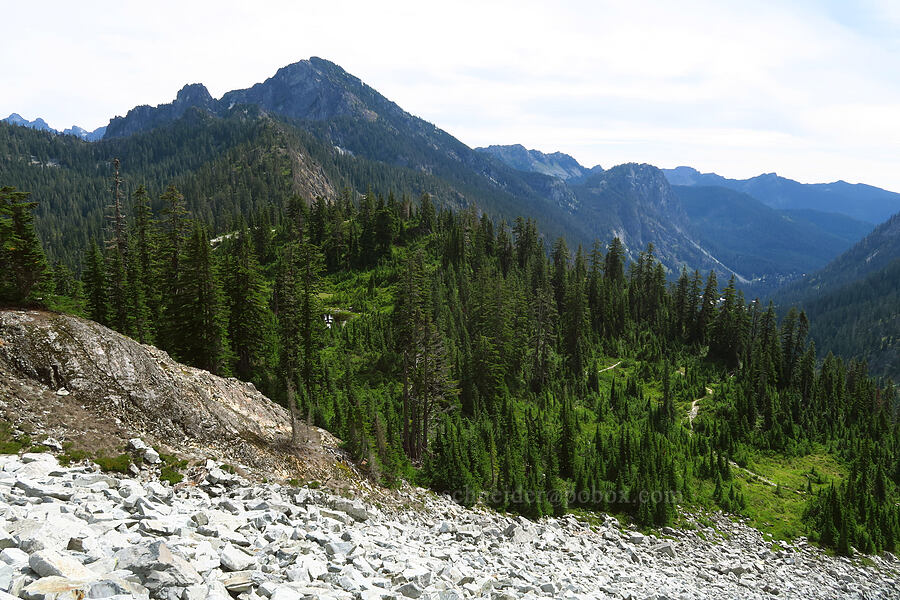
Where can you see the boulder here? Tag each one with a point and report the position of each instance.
(238, 582)
(155, 563)
(410, 590)
(48, 563)
(354, 509)
(13, 556)
(62, 587)
(151, 457)
(284, 592)
(665, 548)
(234, 559)
(637, 538)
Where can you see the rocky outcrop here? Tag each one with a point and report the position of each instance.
(225, 538)
(139, 384)
(313, 89)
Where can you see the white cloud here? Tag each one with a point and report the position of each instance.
(811, 90)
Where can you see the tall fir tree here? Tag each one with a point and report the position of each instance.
(26, 277)
(95, 284)
(199, 309)
(250, 328)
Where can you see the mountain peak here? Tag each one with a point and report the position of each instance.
(142, 118)
(194, 94)
(518, 157)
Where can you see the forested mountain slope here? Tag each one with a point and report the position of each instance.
(350, 117)
(762, 241)
(313, 129)
(853, 301)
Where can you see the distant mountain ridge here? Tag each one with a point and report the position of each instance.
(339, 132)
(41, 125)
(860, 201)
(769, 245)
(873, 253)
(556, 164)
(338, 108)
(728, 230)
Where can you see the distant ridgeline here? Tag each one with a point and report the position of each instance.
(41, 125)
(312, 129)
(464, 355)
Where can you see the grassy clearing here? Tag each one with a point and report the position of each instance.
(794, 472)
(780, 515)
(780, 512)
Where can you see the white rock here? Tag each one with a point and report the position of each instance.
(285, 593)
(151, 457)
(137, 445)
(234, 559)
(13, 556)
(47, 563)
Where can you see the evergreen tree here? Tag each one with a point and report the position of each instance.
(200, 311)
(95, 285)
(707, 313)
(26, 277)
(171, 254)
(249, 317)
(146, 294)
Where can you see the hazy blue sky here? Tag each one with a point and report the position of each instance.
(810, 90)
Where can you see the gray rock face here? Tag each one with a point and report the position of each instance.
(226, 538)
(557, 164)
(141, 118)
(176, 401)
(313, 89)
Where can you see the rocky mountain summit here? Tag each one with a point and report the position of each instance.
(313, 89)
(79, 533)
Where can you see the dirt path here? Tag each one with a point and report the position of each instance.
(612, 367)
(695, 408)
(754, 474)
